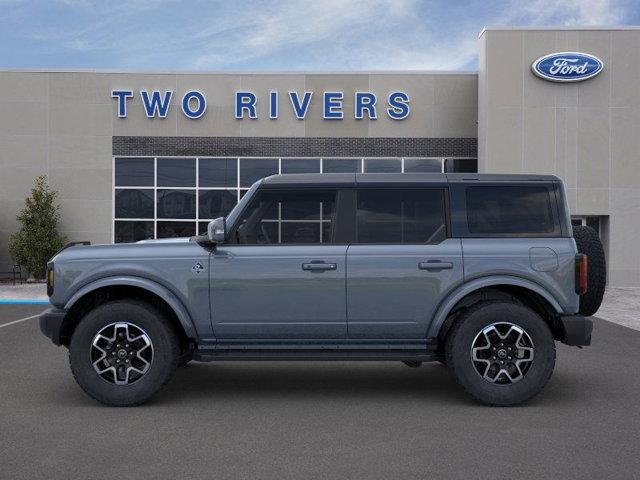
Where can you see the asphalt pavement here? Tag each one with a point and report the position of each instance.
(332, 420)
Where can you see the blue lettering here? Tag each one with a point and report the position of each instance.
(156, 105)
(299, 108)
(122, 96)
(332, 105)
(200, 100)
(273, 105)
(246, 101)
(365, 101)
(398, 105)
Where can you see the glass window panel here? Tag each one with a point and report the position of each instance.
(461, 165)
(218, 172)
(134, 203)
(134, 172)
(176, 203)
(300, 165)
(422, 165)
(382, 165)
(126, 232)
(509, 209)
(401, 216)
(327, 231)
(176, 172)
(298, 232)
(253, 169)
(300, 223)
(176, 229)
(216, 203)
(341, 165)
(308, 207)
(202, 228)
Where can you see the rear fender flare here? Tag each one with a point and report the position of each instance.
(454, 297)
(164, 293)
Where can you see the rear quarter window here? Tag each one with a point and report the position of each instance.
(515, 209)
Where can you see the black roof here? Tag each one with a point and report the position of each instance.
(397, 179)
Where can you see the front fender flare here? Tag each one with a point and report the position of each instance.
(164, 293)
(454, 297)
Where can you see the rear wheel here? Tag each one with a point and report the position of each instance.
(123, 352)
(502, 353)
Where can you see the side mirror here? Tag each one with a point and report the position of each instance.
(217, 230)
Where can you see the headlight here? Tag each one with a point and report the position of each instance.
(51, 278)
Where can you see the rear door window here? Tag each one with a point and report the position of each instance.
(401, 216)
(514, 209)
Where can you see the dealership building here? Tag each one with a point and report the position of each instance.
(152, 155)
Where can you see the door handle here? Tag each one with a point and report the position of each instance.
(435, 265)
(319, 266)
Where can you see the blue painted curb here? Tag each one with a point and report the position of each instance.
(22, 301)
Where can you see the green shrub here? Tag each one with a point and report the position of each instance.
(38, 238)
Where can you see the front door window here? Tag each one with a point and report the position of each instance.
(288, 217)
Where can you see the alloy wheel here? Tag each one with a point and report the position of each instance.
(502, 353)
(121, 353)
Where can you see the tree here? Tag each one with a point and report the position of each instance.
(38, 238)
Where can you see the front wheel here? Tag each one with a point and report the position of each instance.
(502, 353)
(123, 352)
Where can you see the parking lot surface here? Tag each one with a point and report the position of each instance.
(318, 420)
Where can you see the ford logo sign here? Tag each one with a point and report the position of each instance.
(567, 66)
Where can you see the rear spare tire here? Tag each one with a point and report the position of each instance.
(589, 243)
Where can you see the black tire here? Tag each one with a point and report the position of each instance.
(469, 325)
(589, 243)
(165, 345)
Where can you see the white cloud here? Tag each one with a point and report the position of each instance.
(299, 34)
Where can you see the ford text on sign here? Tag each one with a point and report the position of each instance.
(567, 66)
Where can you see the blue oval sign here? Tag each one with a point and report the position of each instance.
(567, 66)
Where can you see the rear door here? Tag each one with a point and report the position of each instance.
(401, 263)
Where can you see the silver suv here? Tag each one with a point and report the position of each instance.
(479, 272)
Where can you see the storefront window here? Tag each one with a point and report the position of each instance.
(177, 197)
(300, 165)
(253, 169)
(422, 165)
(382, 165)
(218, 172)
(176, 172)
(341, 165)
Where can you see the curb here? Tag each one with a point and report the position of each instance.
(23, 301)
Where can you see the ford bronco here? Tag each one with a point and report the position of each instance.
(482, 273)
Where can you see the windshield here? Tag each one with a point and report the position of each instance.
(235, 213)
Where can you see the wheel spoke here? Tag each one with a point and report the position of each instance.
(116, 347)
(502, 353)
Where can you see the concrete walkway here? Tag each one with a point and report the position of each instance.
(621, 305)
(25, 293)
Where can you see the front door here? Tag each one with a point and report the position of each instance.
(281, 277)
(401, 264)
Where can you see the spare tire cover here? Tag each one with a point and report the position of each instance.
(589, 243)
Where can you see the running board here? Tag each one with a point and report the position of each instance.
(421, 355)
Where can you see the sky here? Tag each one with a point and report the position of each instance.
(277, 35)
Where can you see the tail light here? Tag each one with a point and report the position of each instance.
(581, 274)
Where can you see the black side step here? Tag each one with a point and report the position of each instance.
(421, 355)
